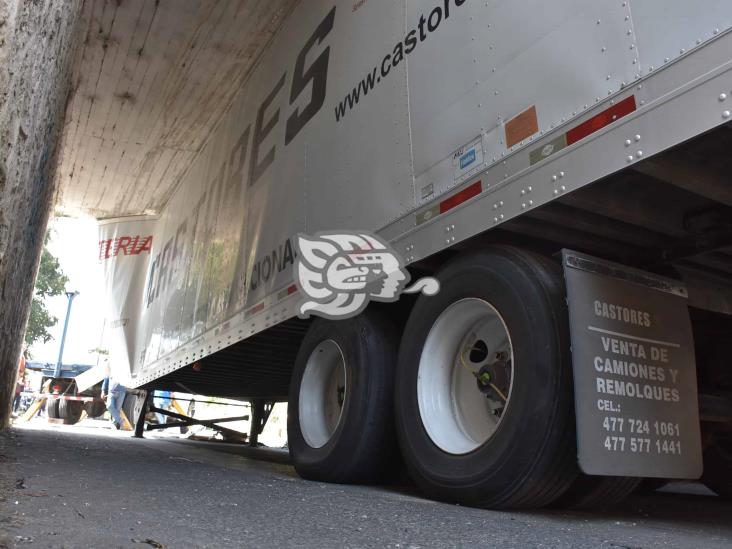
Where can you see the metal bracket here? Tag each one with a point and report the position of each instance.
(186, 421)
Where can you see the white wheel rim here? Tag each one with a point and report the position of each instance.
(322, 393)
(456, 414)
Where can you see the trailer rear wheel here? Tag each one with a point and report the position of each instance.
(131, 406)
(95, 408)
(340, 419)
(70, 411)
(589, 491)
(52, 408)
(484, 388)
(718, 466)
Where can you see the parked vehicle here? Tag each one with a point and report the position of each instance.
(64, 400)
(547, 163)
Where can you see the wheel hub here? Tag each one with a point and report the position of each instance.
(465, 376)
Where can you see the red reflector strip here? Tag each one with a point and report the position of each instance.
(291, 289)
(599, 121)
(466, 194)
(254, 310)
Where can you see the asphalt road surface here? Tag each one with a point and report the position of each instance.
(93, 487)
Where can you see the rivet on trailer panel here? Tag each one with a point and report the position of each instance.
(722, 96)
(725, 114)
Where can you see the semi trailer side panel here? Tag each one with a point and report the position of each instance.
(428, 122)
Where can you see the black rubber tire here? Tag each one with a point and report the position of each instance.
(650, 485)
(591, 492)
(531, 458)
(70, 411)
(52, 408)
(95, 408)
(130, 406)
(718, 466)
(363, 447)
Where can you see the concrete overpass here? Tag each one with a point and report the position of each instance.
(103, 106)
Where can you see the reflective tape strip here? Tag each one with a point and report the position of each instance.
(599, 121)
(423, 217)
(449, 203)
(555, 145)
(286, 292)
(254, 310)
(63, 397)
(585, 129)
(458, 198)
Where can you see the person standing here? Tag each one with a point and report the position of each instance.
(20, 382)
(115, 393)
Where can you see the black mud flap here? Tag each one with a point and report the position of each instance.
(634, 371)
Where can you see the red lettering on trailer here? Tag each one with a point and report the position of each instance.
(126, 245)
(599, 121)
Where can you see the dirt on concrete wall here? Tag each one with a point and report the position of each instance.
(37, 42)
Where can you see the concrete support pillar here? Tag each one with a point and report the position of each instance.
(37, 44)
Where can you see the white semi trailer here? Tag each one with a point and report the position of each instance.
(562, 168)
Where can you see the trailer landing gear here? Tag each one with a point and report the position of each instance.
(185, 421)
(261, 409)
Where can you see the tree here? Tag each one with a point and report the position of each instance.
(51, 281)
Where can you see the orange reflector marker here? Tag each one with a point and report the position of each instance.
(466, 194)
(599, 121)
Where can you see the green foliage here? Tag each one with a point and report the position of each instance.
(50, 282)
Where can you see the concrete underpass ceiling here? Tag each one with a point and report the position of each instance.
(151, 80)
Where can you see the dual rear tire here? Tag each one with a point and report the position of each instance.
(481, 385)
(67, 410)
(340, 414)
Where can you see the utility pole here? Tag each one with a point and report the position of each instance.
(70, 296)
